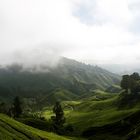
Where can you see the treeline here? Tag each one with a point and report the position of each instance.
(14, 110)
(131, 83)
(55, 124)
(128, 98)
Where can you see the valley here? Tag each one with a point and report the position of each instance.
(93, 103)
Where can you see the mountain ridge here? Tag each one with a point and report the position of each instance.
(71, 75)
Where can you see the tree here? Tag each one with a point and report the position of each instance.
(11, 111)
(17, 107)
(125, 82)
(134, 82)
(3, 108)
(58, 119)
(135, 76)
(131, 82)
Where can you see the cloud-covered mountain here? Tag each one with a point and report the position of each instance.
(72, 76)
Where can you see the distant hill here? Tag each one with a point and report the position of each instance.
(74, 77)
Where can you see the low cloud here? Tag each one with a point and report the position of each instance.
(99, 32)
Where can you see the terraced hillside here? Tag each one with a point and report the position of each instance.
(13, 130)
(96, 111)
(127, 128)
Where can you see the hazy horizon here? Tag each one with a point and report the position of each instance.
(104, 33)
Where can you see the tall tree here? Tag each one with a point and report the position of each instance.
(17, 107)
(135, 76)
(134, 82)
(3, 108)
(131, 82)
(58, 119)
(125, 82)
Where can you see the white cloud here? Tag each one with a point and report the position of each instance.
(96, 30)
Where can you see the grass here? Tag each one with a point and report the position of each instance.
(67, 105)
(11, 129)
(88, 113)
(102, 111)
(97, 113)
(81, 115)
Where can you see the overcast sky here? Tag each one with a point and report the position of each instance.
(93, 31)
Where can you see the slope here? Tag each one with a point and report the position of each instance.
(73, 76)
(11, 129)
(127, 128)
(95, 111)
(57, 95)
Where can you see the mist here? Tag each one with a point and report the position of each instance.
(34, 32)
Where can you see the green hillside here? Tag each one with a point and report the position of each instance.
(94, 119)
(58, 95)
(98, 116)
(97, 113)
(92, 113)
(70, 75)
(91, 98)
(13, 130)
(127, 128)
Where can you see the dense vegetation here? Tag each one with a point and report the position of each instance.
(74, 100)
(13, 130)
(73, 77)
